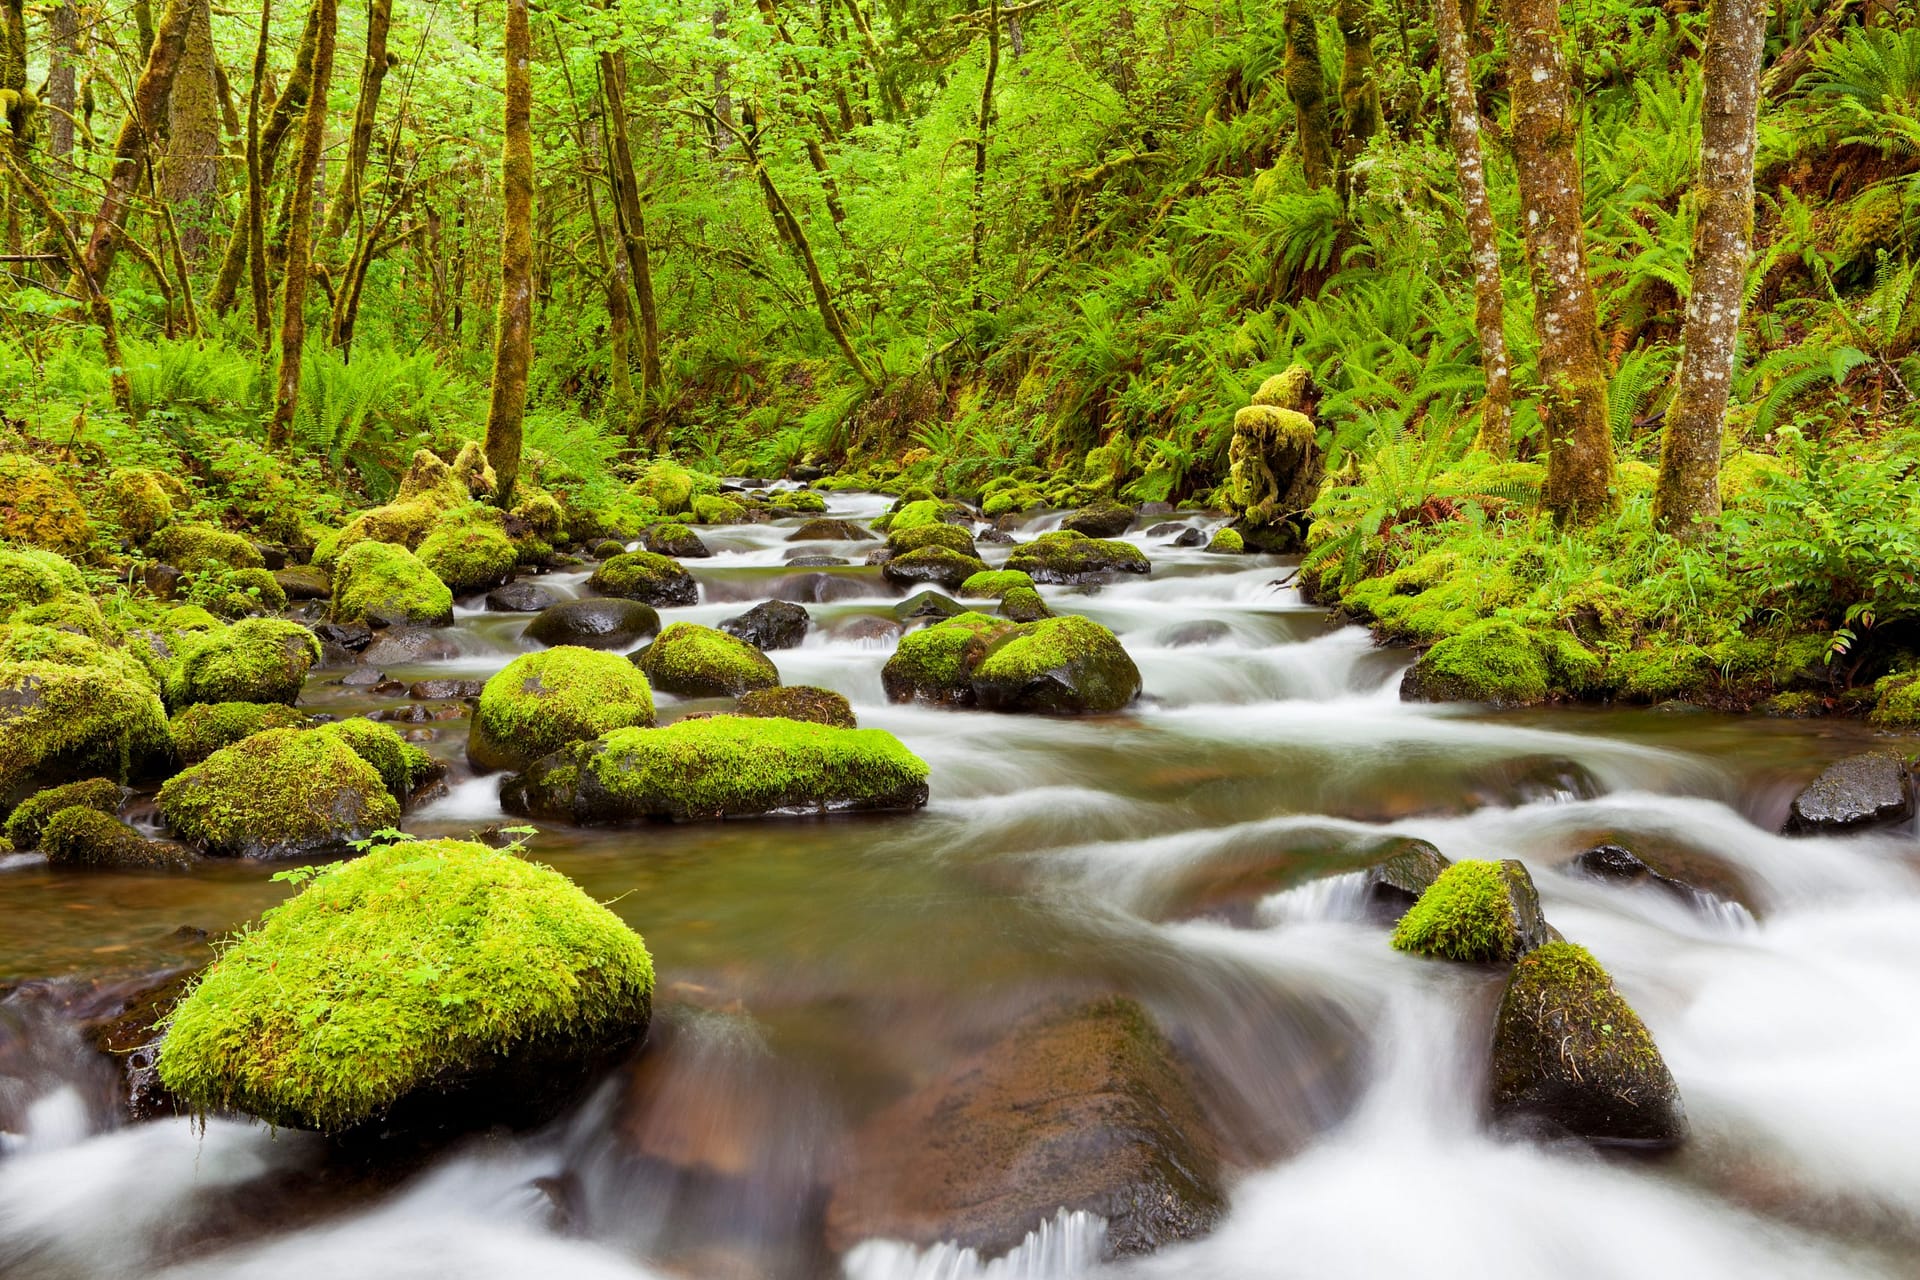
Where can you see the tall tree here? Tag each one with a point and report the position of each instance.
(629, 215)
(192, 171)
(130, 149)
(293, 288)
(1687, 498)
(1360, 116)
(255, 230)
(513, 339)
(980, 138)
(1306, 78)
(63, 28)
(1573, 377)
(373, 74)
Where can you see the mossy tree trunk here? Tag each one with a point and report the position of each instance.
(981, 134)
(192, 172)
(1573, 377)
(1687, 498)
(373, 74)
(130, 149)
(1306, 79)
(513, 339)
(63, 30)
(630, 218)
(293, 288)
(1483, 241)
(1360, 117)
(255, 230)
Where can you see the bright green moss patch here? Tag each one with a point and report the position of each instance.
(936, 663)
(469, 550)
(1664, 669)
(1063, 666)
(38, 507)
(402, 767)
(939, 565)
(198, 548)
(139, 501)
(32, 575)
(1023, 604)
(718, 509)
(203, 728)
(702, 662)
(1492, 661)
(75, 613)
(1467, 914)
(913, 515)
(1065, 556)
(646, 577)
(281, 793)
(541, 701)
(255, 660)
(82, 837)
(1896, 701)
(59, 719)
(992, 584)
(951, 536)
(417, 967)
(1228, 542)
(24, 826)
(378, 580)
(671, 486)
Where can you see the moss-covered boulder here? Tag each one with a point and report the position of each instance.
(429, 490)
(403, 767)
(1070, 558)
(540, 702)
(469, 550)
(1101, 520)
(716, 508)
(674, 540)
(1059, 666)
(434, 982)
(385, 583)
(30, 817)
(671, 486)
(1023, 604)
(931, 566)
(255, 660)
(39, 508)
(1274, 465)
(282, 793)
(953, 537)
(830, 530)
(992, 584)
(936, 664)
(1228, 542)
(304, 582)
(700, 662)
(1492, 661)
(1475, 911)
(34, 575)
(78, 837)
(720, 767)
(77, 614)
(139, 501)
(204, 548)
(237, 593)
(1571, 1057)
(799, 702)
(70, 709)
(644, 576)
(203, 728)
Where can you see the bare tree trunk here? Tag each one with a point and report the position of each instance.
(373, 73)
(255, 243)
(1687, 498)
(192, 170)
(1463, 120)
(63, 23)
(150, 97)
(980, 138)
(1306, 79)
(293, 289)
(513, 341)
(1574, 392)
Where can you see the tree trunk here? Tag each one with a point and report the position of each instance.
(1463, 119)
(63, 23)
(513, 339)
(373, 73)
(150, 97)
(192, 170)
(1360, 116)
(1687, 499)
(255, 242)
(980, 134)
(631, 219)
(293, 289)
(1306, 80)
(1573, 378)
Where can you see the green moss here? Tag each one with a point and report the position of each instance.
(1570, 1021)
(1228, 542)
(671, 487)
(1798, 704)
(78, 837)
(255, 660)
(644, 576)
(916, 514)
(540, 511)
(199, 548)
(380, 580)
(235, 593)
(1634, 478)
(139, 501)
(696, 662)
(1896, 701)
(1489, 661)
(1067, 556)
(1744, 475)
(936, 664)
(1023, 604)
(1285, 389)
(1069, 664)
(539, 702)
(799, 702)
(1106, 465)
(993, 584)
(717, 509)
(1466, 914)
(72, 709)
(402, 767)
(1008, 501)
(75, 613)
(38, 507)
(402, 970)
(936, 564)
(402, 524)
(1663, 669)
(279, 793)
(953, 537)
(205, 727)
(801, 501)
(189, 617)
(30, 818)
(32, 575)
(469, 550)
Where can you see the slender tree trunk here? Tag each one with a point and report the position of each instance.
(192, 170)
(1573, 377)
(63, 23)
(1687, 498)
(1306, 80)
(373, 73)
(150, 97)
(631, 219)
(1463, 120)
(980, 137)
(513, 341)
(293, 289)
(255, 242)
(889, 91)
(1360, 116)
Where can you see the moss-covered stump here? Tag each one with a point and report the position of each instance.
(256, 660)
(204, 548)
(1477, 912)
(931, 566)
(77, 711)
(469, 550)
(1059, 666)
(1492, 661)
(830, 530)
(81, 838)
(720, 767)
(33, 575)
(282, 793)
(1066, 557)
(403, 767)
(429, 489)
(993, 584)
(771, 624)
(139, 501)
(380, 582)
(675, 540)
(540, 702)
(800, 702)
(30, 817)
(595, 624)
(1274, 466)
(37, 507)
(700, 662)
(1859, 793)
(203, 728)
(644, 576)
(936, 664)
(435, 982)
(1571, 1057)
(953, 537)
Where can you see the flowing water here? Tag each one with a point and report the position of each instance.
(1197, 853)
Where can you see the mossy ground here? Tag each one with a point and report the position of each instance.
(1467, 914)
(539, 702)
(695, 661)
(401, 970)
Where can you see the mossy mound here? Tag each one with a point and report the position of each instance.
(676, 541)
(430, 488)
(540, 702)
(77, 614)
(1060, 666)
(700, 662)
(203, 728)
(34, 575)
(799, 702)
(256, 660)
(238, 593)
(993, 584)
(38, 507)
(282, 793)
(1107, 519)
(936, 663)
(914, 514)
(403, 767)
(1066, 557)
(203, 548)
(932, 566)
(714, 508)
(1571, 1056)
(1492, 661)
(139, 501)
(72, 712)
(1023, 604)
(1896, 701)
(381, 582)
(951, 536)
(79, 837)
(671, 486)
(415, 981)
(469, 550)
(830, 530)
(1476, 912)
(30, 817)
(720, 767)
(1228, 542)
(646, 577)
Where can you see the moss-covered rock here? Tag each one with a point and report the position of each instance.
(932, 566)
(1060, 666)
(1023, 604)
(1064, 556)
(139, 501)
(30, 817)
(830, 530)
(255, 660)
(1101, 520)
(720, 767)
(1571, 1057)
(644, 576)
(203, 728)
(37, 507)
(237, 593)
(403, 767)
(700, 662)
(203, 548)
(304, 582)
(911, 515)
(1896, 701)
(1228, 542)
(992, 584)
(936, 664)
(799, 702)
(671, 486)
(951, 536)
(382, 582)
(434, 980)
(676, 541)
(34, 575)
(1476, 911)
(540, 702)
(469, 550)
(715, 508)
(1490, 661)
(82, 838)
(429, 490)
(77, 614)
(69, 709)
(282, 793)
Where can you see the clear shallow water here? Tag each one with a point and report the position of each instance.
(814, 971)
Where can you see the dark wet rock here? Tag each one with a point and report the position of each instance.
(415, 713)
(304, 583)
(1617, 864)
(674, 540)
(1476, 912)
(1150, 509)
(352, 636)
(799, 702)
(123, 1023)
(1084, 1108)
(1698, 876)
(1166, 529)
(771, 624)
(804, 472)
(1571, 1057)
(1200, 631)
(867, 628)
(272, 558)
(1855, 794)
(827, 529)
(398, 646)
(1190, 537)
(1406, 869)
(595, 624)
(443, 690)
(390, 688)
(163, 580)
(1105, 520)
(1023, 604)
(364, 678)
(928, 604)
(877, 557)
(995, 537)
(522, 597)
(334, 657)
(1282, 538)
(931, 566)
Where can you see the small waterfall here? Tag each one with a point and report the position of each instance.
(1068, 1244)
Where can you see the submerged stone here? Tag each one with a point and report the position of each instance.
(1855, 794)
(522, 597)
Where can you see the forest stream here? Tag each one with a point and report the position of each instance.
(1199, 853)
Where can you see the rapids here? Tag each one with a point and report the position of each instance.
(811, 971)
